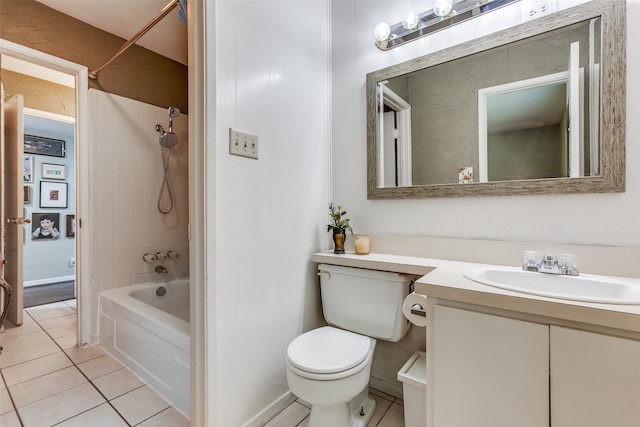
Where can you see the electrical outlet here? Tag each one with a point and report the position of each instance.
(72, 262)
(243, 144)
(532, 9)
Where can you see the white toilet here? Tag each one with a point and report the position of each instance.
(329, 367)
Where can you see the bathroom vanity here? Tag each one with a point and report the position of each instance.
(502, 358)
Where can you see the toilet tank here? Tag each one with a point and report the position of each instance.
(368, 302)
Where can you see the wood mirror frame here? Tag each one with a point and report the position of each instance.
(612, 108)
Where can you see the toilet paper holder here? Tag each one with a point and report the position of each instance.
(418, 310)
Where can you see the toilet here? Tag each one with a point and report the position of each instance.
(329, 367)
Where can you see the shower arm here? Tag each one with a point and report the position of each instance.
(168, 8)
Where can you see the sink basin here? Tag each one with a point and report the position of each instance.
(585, 287)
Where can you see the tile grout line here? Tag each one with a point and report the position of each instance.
(75, 365)
(13, 404)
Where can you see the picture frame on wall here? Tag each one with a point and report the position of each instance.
(44, 226)
(53, 194)
(28, 169)
(71, 226)
(54, 171)
(44, 146)
(26, 199)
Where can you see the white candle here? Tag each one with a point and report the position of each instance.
(363, 245)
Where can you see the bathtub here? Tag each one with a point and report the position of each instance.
(146, 328)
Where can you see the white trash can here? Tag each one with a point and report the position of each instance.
(413, 376)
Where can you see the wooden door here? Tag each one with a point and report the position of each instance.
(13, 204)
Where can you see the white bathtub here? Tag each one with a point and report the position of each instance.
(149, 334)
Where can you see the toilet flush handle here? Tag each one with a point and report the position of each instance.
(324, 274)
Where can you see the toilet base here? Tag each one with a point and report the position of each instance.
(346, 414)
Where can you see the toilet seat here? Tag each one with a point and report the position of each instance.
(328, 350)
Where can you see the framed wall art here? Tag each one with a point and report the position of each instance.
(44, 226)
(26, 199)
(28, 169)
(44, 146)
(71, 226)
(53, 194)
(53, 171)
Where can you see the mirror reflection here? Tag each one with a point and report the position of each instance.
(525, 110)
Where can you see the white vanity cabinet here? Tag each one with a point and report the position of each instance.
(595, 379)
(488, 371)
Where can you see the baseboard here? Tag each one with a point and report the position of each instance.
(48, 281)
(271, 411)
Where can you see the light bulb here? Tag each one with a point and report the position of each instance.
(382, 31)
(411, 21)
(442, 7)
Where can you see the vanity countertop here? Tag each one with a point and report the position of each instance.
(443, 279)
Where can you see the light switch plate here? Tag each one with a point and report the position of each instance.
(243, 144)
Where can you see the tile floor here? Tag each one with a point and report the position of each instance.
(46, 380)
(389, 413)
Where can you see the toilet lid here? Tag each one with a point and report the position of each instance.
(328, 350)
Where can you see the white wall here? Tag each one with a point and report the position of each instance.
(469, 225)
(126, 177)
(47, 261)
(586, 219)
(267, 74)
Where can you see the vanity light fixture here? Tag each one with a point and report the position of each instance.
(444, 13)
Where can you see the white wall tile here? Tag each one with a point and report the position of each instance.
(125, 182)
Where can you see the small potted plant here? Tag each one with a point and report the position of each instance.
(339, 225)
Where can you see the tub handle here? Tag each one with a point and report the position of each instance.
(148, 258)
(161, 255)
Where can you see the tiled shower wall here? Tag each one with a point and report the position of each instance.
(126, 174)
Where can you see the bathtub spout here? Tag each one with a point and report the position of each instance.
(160, 269)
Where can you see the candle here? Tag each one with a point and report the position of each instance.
(363, 245)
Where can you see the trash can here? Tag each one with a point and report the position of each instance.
(413, 376)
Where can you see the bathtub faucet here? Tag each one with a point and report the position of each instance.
(160, 269)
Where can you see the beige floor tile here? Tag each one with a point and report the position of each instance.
(67, 342)
(45, 386)
(99, 366)
(45, 307)
(167, 418)
(394, 417)
(35, 368)
(58, 321)
(61, 406)
(5, 402)
(15, 331)
(101, 416)
(82, 354)
(304, 423)
(73, 303)
(26, 347)
(10, 419)
(289, 416)
(117, 383)
(304, 402)
(382, 405)
(139, 404)
(39, 316)
(64, 330)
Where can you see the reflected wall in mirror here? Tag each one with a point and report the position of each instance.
(517, 112)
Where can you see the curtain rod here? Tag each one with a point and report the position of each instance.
(168, 8)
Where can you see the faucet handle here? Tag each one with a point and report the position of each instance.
(161, 255)
(148, 258)
(172, 255)
(532, 260)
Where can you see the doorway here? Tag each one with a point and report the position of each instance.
(40, 62)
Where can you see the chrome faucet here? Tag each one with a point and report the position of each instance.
(160, 269)
(550, 264)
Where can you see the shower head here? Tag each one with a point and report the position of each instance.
(168, 140)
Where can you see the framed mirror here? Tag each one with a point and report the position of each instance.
(537, 108)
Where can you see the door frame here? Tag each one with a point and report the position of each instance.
(80, 74)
